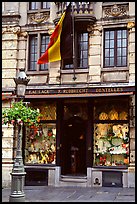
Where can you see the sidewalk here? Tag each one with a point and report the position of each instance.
(74, 194)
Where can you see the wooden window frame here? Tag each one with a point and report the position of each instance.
(76, 61)
(38, 53)
(39, 5)
(115, 65)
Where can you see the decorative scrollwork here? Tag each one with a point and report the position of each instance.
(38, 17)
(115, 10)
(11, 29)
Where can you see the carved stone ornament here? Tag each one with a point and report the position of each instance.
(23, 34)
(11, 29)
(92, 29)
(38, 17)
(115, 10)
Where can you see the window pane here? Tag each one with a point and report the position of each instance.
(111, 61)
(106, 62)
(107, 44)
(124, 42)
(85, 62)
(119, 52)
(118, 61)
(119, 34)
(124, 34)
(84, 45)
(124, 52)
(34, 5)
(85, 37)
(111, 43)
(107, 35)
(85, 54)
(111, 53)
(32, 66)
(46, 5)
(44, 45)
(83, 50)
(119, 43)
(124, 61)
(111, 34)
(33, 53)
(106, 52)
(69, 66)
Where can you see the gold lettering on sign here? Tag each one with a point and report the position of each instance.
(32, 91)
(107, 90)
(75, 91)
(44, 91)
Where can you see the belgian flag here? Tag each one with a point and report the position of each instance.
(61, 41)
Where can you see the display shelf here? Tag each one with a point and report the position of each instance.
(41, 146)
(111, 146)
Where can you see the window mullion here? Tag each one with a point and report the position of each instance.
(39, 5)
(38, 50)
(115, 48)
(76, 49)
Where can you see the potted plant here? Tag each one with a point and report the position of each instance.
(19, 114)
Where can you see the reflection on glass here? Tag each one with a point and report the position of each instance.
(111, 133)
(111, 144)
(40, 147)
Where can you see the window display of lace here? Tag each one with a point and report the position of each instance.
(40, 145)
(111, 144)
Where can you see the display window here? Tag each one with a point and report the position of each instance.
(40, 142)
(111, 134)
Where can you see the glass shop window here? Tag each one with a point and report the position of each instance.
(40, 143)
(111, 134)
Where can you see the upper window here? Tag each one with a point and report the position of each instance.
(115, 48)
(37, 46)
(39, 5)
(81, 52)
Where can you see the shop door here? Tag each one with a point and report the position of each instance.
(74, 147)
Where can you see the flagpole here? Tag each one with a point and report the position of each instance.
(73, 33)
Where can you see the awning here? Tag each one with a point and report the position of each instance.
(78, 95)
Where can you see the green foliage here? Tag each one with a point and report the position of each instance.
(20, 113)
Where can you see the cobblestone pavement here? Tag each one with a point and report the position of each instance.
(74, 194)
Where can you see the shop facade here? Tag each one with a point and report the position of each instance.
(87, 129)
(84, 134)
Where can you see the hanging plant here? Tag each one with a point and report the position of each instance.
(20, 113)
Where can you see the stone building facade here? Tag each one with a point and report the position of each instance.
(104, 76)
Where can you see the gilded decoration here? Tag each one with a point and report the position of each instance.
(130, 25)
(38, 17)
(115, 11)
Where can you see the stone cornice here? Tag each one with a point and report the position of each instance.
(10, 18)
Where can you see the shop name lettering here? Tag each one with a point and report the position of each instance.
(106, 90)
(76, 91)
